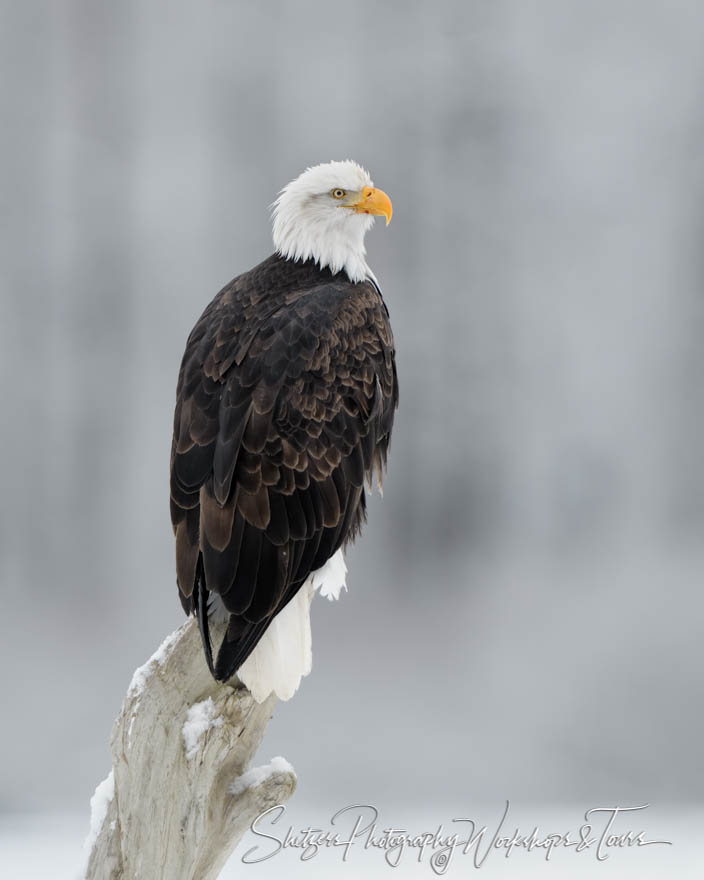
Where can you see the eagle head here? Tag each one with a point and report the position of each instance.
(324, 215)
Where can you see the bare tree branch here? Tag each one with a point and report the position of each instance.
(178, 799)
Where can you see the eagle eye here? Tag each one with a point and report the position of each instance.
(338, 193)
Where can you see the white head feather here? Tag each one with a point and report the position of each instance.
(310, 224)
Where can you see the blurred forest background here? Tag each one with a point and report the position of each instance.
(525, 607)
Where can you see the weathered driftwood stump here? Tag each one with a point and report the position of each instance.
(179, 796)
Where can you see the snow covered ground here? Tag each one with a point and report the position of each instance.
(41, 846)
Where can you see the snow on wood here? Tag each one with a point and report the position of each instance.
(99, 804)
(258, 775)
(201, 717)
(182, 796)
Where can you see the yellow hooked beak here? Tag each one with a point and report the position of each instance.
(374, 201)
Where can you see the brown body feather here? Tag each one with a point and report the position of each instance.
(285, 404)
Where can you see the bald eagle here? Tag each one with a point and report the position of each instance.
(284, 408)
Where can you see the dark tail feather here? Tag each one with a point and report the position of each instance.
(201, 606)
(239, 642)
(241, 637)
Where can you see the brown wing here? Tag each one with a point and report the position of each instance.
(285, 404)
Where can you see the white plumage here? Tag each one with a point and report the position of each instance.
(284, 653)
(308, 224)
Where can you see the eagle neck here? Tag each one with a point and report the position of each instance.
(338, 247)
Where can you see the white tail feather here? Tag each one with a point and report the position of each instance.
(284, 653)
